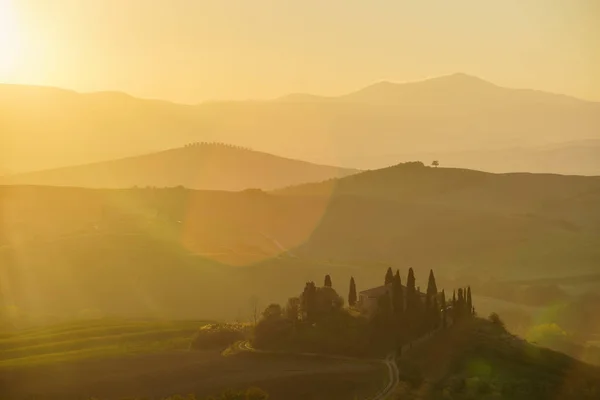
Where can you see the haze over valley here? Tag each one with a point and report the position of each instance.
(299, 200)
(472, 122)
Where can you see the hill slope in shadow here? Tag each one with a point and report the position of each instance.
(198, 166)
(478, 359)
(153, 248)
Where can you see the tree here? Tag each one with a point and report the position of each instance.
(495, 319)
(454, 305)
(469, 300)
(411, 291)
(435, 313)
(327, 301)
(460, 304)
(308, 302)
(292, 310)
(272, 312)
(413, 305)
(435, 163)
(398, 295)
(352, 293)
(431, 285)
(443, 301)
(254, 309)
(327, 282)
(317, 303)
(389, 276)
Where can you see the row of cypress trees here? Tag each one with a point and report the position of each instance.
(412, 311)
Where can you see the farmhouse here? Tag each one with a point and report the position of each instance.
(368, 300)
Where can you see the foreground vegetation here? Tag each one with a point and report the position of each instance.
(478, 359)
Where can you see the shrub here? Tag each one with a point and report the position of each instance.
(270, 331)
(495, 319)
(214, 336)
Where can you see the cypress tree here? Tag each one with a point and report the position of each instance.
(469, 301)
(454, 313)
(398, 294)
(431, 285)
(327, 282)
(460, 304)
(352, 293)
(412, 307)
(443, 301)
(431, 304)
(435, 313)
(411, 290)
(389, 276)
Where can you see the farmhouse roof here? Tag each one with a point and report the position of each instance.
(381, 290)
(376, 291)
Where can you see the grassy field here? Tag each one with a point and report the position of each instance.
(93, 339)
(124, 358)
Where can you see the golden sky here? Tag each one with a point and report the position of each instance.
(195, 50)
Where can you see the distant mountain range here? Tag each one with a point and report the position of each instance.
(208, 166)
(47, 127)
(451, 90)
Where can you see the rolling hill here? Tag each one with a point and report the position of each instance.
(197, 166)
(480, 360)
(48, 127)
(556, 158)
(169, 251)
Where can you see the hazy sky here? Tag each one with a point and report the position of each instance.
(195, 50)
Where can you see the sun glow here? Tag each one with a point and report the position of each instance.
(10, 45)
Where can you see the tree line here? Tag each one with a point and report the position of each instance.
(216, 144)
(402, 313)
(410, 313)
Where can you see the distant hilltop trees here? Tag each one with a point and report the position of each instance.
(217, 144)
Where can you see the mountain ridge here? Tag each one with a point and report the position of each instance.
(453, 82)
(48, 128)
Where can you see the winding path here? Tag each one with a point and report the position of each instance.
(389, 363)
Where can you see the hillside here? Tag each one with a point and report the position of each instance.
(197, 166)
(47, 127)
(554, 158)
(169, 251)
(515, 193)
(479, 360)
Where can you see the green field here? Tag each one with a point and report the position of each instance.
(93, 339)
(124, 358)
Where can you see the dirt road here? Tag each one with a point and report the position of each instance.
(388, 362)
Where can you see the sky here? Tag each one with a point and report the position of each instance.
(198, 50)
